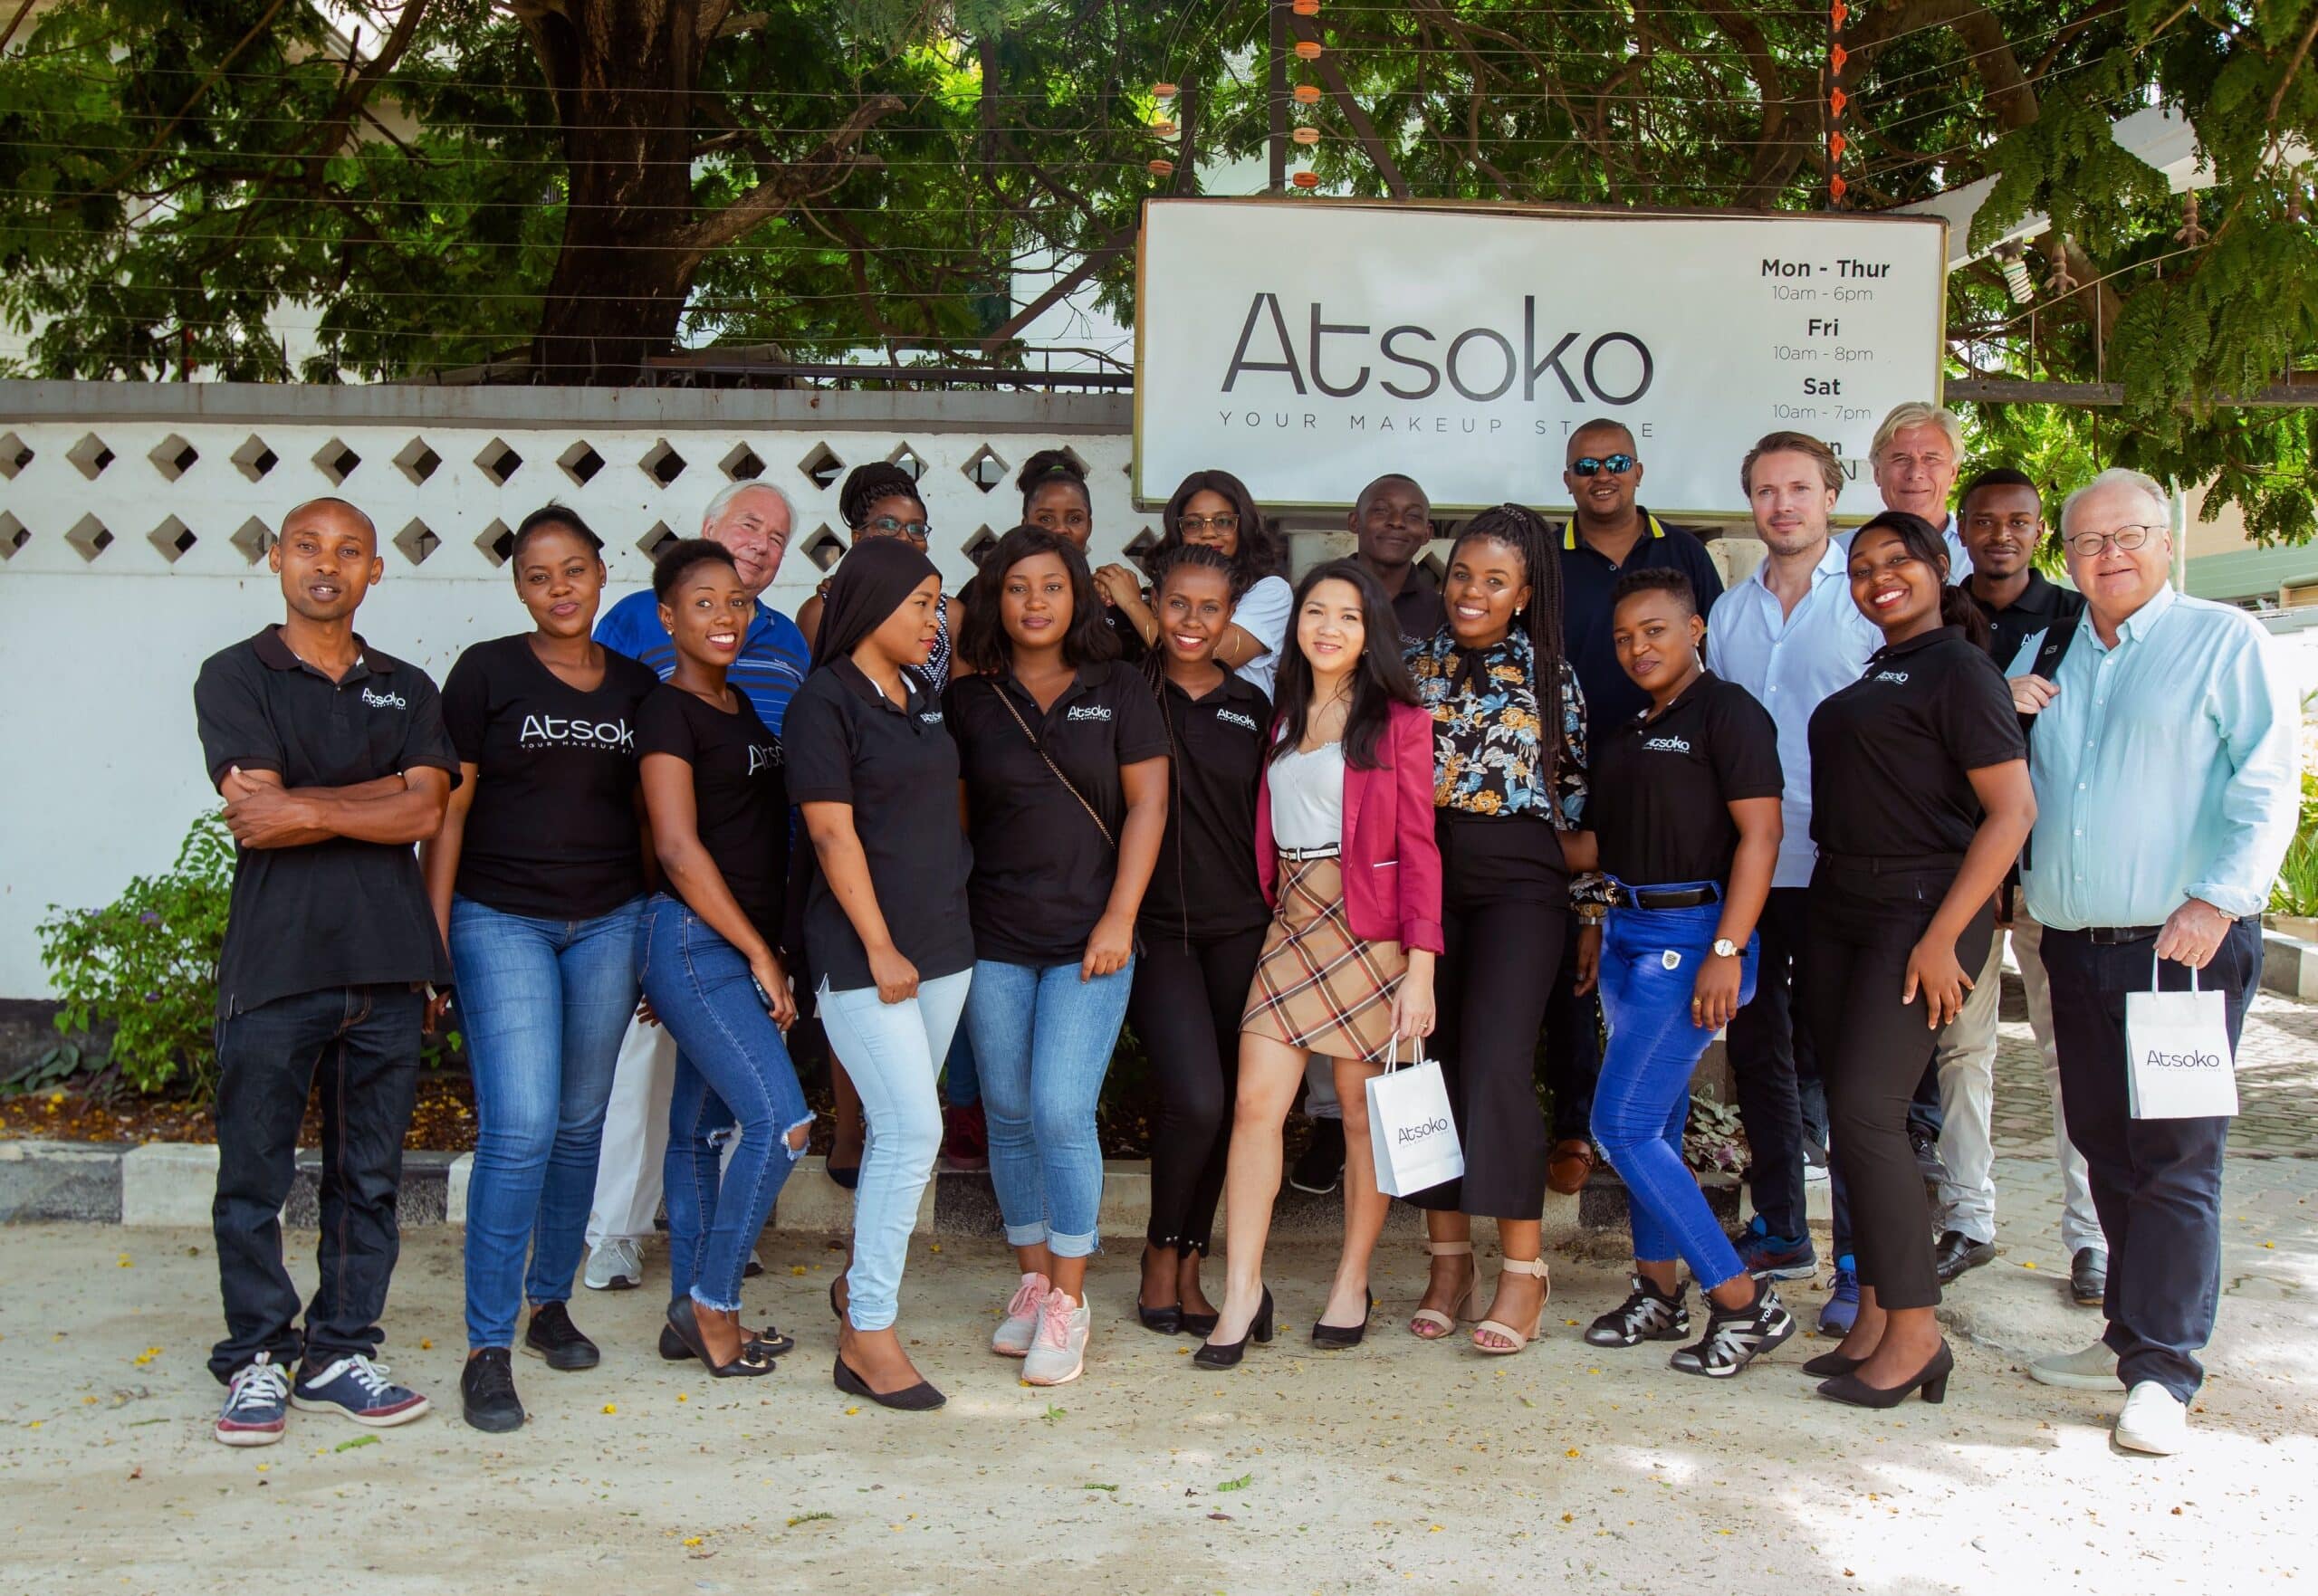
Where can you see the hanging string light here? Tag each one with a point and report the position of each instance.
(1838, 101)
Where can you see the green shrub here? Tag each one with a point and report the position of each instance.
(2295, 890)
(147, 964)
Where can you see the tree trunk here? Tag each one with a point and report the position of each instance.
(622, 73)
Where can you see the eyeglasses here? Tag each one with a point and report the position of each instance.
(2129, 537)
(1615, 465)
(1192, 525)
(916, 531)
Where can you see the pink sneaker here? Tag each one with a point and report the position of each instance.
(1059, 1356)
(1019, 1328)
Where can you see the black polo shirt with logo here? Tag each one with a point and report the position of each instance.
(1417, 606)
(551, 831)
(1042, 870)
(848, 743)
(1891, 753)
(339, 913)
(1588, 579)
(739, 789)
(1662, 787)
(1205, 884)
(2040, 604)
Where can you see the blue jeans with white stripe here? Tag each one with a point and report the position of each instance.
(1650, 970)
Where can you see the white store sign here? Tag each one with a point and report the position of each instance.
(1309, 346)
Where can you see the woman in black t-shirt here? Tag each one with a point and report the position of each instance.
(715, 789)
(1063, 754)
(873, 769)
(1921, 802)
(1202, 926)
(1686, 823)
(537, 880)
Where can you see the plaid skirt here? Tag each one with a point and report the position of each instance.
(1318, 988)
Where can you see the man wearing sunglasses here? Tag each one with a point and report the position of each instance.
(1608, 534)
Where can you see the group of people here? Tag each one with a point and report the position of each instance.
(1294, 835)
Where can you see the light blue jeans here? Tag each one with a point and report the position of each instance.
(1042, 1042)
(1650, 968)
(893, 1051)
(542, 1005)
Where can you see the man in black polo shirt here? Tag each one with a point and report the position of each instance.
(1392, 521)
(1608, 535)
(2003, 520)
(332, 761)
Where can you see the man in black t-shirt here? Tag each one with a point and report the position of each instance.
(1393, 522)
(332, 760)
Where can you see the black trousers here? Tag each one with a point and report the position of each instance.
(1866, 916)
(361, 1044)
(1185, 1006)
(1573, 1043)
(1773, 1062)
(2156, 1183)
(1504, 910)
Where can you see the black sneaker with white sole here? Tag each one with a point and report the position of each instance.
(487, 1398)
(1736, 1337)
(1645, 1316)
(1320, 1165)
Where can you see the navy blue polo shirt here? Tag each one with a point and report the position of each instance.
(1587, 577)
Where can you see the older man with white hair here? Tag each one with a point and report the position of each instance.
(1915, 454)
(2164, 754)
(753, 520)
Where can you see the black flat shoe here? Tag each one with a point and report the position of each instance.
(2088, 1278)
(1160, 1321)
(768, 1341)
(848, 1176)
(920, 1397)
(751, 1362)
(1827, 1365)
(1957, 1252)
(1337, 1337)
(1201, 1325)
(1226, 1354)
(553, 1336)
(1931, 1380)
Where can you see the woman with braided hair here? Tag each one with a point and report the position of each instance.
(880, 500)
(1508, 797)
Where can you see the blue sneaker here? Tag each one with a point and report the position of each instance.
(1766, 1257)
(1841, 1310)
(257, 1404)
(358, 1388)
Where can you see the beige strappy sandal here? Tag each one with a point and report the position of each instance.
(1519, 1338)
(1448, 1326)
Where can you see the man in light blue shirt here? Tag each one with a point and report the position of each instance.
(1790, 634)
(2165, 755)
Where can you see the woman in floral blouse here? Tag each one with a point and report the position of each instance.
(1509, 794)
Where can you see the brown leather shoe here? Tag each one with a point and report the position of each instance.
(1571, 1164)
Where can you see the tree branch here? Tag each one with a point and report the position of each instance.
(828, 163)
(331, 131)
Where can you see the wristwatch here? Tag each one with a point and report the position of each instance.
(1724, 948)
(1591, 913)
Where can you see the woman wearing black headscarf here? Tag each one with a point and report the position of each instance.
(873, 769)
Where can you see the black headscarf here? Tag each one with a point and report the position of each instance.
(872, 580)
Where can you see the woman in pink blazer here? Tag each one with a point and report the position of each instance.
(1346, 851)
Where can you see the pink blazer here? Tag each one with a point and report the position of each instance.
(1390, 861)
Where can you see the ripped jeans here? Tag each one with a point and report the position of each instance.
(733, 1078)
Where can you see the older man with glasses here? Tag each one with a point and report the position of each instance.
(2165, 757)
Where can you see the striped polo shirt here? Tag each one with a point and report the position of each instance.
(770, 667)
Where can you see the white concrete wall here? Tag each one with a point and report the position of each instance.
(99, 646)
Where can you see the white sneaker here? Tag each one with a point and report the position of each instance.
(614, 1264)
(1059, 1355)
(2154, 1420)
(2091, 1369)
(1013, 1336)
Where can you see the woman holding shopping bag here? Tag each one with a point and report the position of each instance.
(1345, 853)
(875, 774)
(1687, 821)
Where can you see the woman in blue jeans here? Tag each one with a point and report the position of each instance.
(537, 880)
(1064, 759)
(874, 772)
(1686, 818)
(714, 787)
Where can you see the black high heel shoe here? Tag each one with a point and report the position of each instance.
(1201, 1325)
(1931, 1380)
(1337, 1337)
(1828, 1365)
(1167, 1321)
(920, 1397)
(1226, 1354)
(750, 1362)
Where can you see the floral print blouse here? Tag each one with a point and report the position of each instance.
(1490, 754)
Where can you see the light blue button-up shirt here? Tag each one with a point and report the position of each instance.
(1791, 661)
(2165, 769)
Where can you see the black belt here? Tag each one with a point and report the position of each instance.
(1651, 897)
(2110, 936)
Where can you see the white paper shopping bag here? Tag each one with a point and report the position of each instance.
(1409, 1127)
(2178, 1063)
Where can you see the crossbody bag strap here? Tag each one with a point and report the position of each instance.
(1039, 747)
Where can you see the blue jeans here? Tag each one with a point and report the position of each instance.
(733, 1077)
(542, 1005)
(893, 1052)
(1043, 1039)
(1642, 1101)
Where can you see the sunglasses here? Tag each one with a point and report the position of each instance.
(1615, 465)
